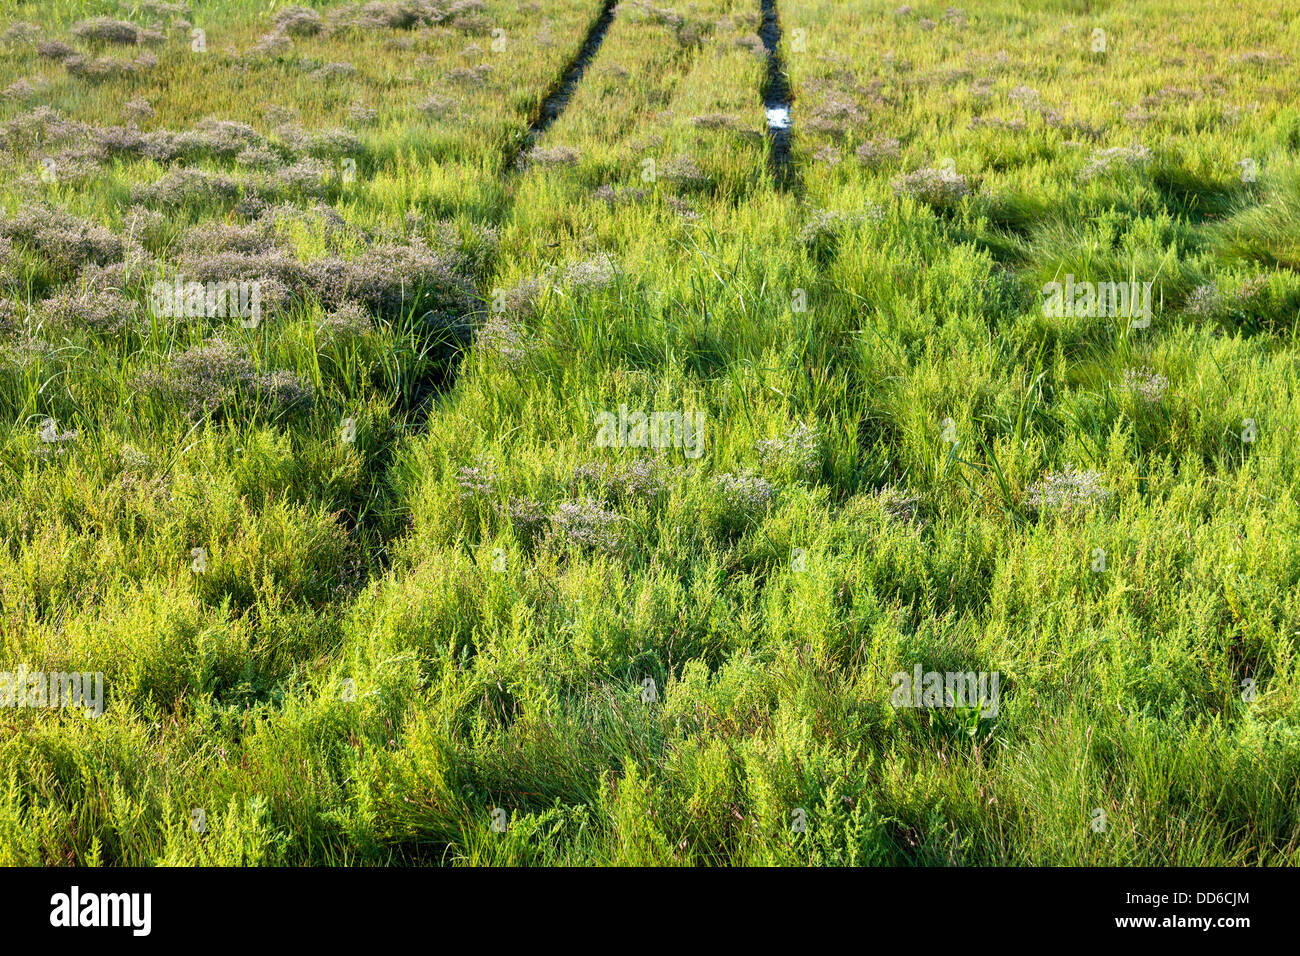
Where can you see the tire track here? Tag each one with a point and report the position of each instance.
(439, 378)
(442, 378)
(557, 98)
(776, 99)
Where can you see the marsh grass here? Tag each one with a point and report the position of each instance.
(427, 592)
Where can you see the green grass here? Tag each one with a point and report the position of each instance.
(428, 592)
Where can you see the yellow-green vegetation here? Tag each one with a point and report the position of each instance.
(385, 570)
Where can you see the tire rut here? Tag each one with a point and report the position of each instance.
(777, 99)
